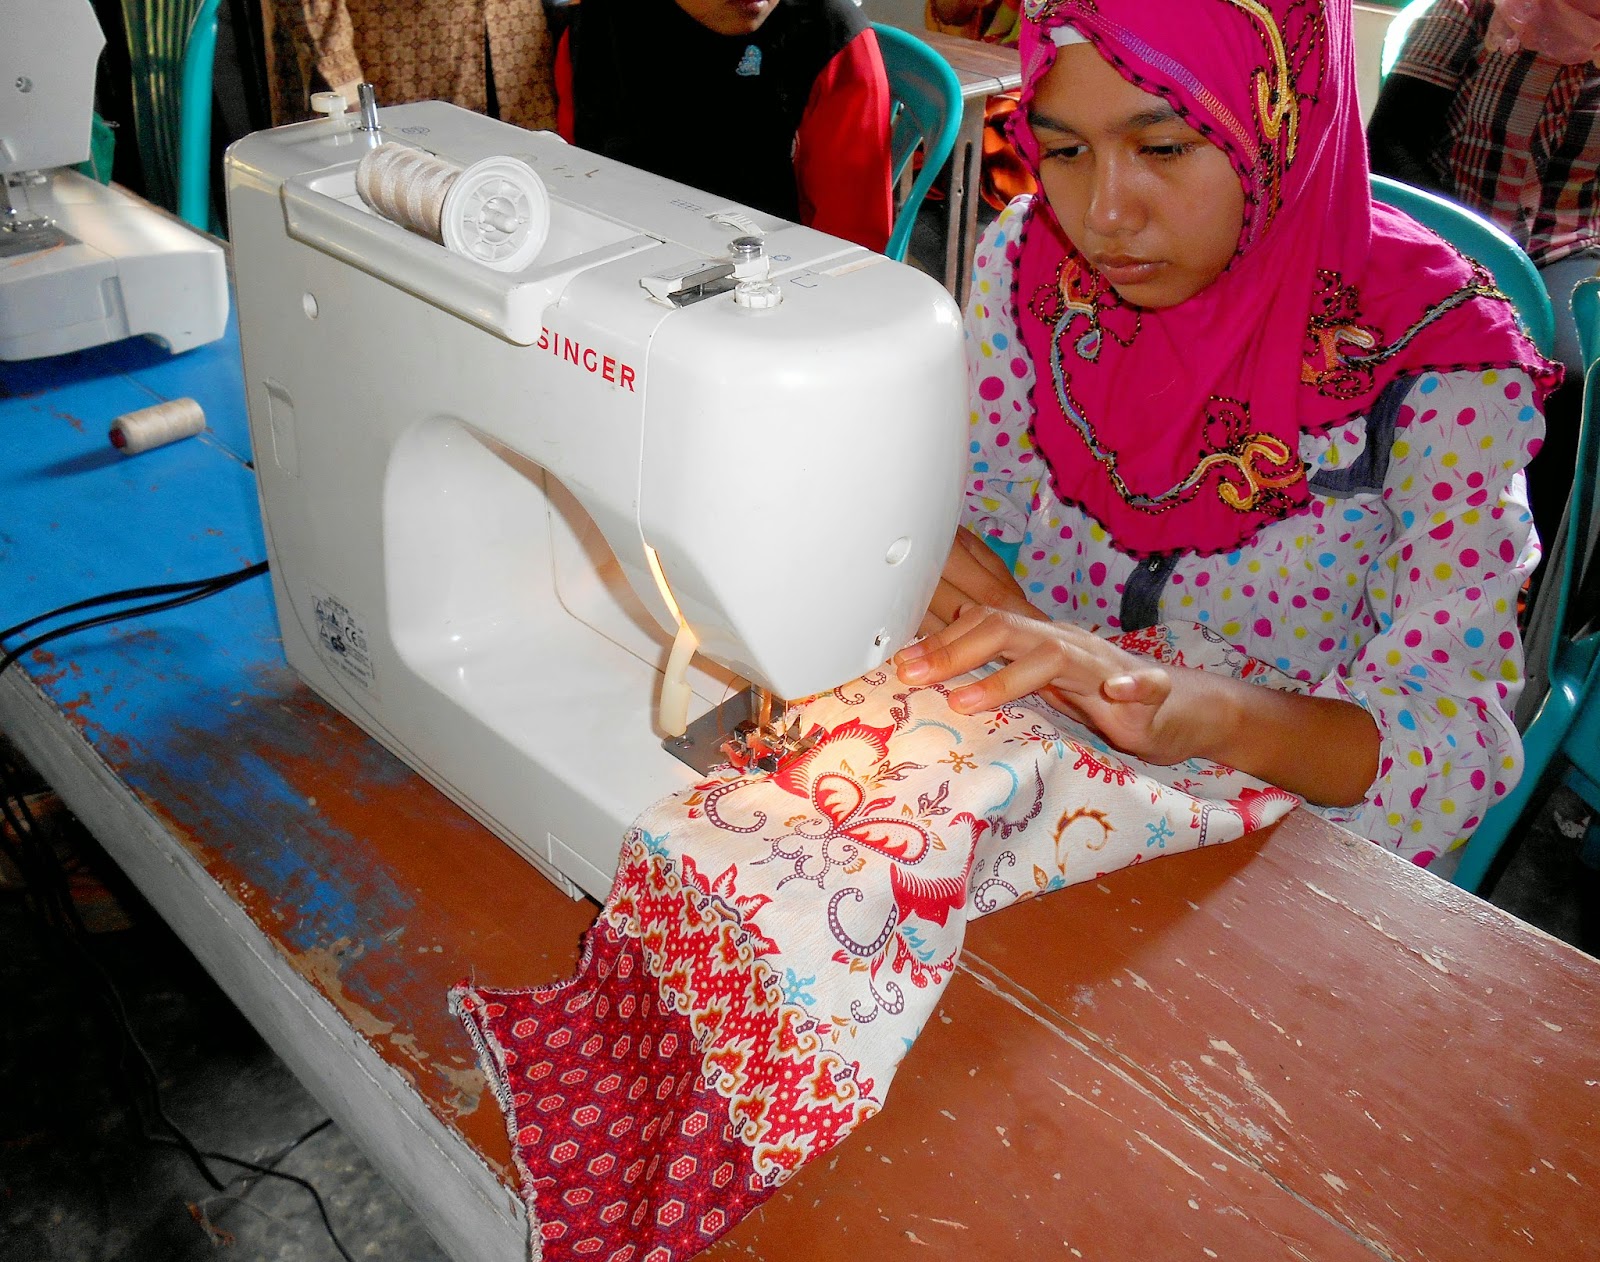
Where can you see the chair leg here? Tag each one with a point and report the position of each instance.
(1499, 823)
(1589, 792)
(966, 163)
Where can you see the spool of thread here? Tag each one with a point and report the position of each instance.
(407, 186)
(495, 211)
(157, 426)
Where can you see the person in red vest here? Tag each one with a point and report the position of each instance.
(780, 104)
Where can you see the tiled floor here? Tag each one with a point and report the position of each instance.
(79, 1183)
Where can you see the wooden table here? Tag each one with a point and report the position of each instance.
(982, 70)
(1291, 1047)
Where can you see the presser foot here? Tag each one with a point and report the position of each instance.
(30, 236)
(746, 732)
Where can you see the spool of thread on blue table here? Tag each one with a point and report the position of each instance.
(133, 432)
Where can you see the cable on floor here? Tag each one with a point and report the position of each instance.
(24, 841)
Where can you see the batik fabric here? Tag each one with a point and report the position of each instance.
(774, 943)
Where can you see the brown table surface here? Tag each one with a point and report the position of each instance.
(1294, 1046)
(980, 67)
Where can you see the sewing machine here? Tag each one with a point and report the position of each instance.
(530, 527)
(83, 263)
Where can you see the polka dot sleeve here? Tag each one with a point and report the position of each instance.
(1442, 666)
(1004, 469)
(1402, 601)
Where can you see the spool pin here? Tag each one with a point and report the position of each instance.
(133, 432)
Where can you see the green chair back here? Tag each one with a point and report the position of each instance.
(172, 44)
(194, 117)
(1563, 737)
(1479, 239)
(102, 149)
(1586, 315)
(927, 111)
(1394, 38)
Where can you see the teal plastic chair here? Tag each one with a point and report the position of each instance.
(1563, 738)
(194, 118)
(926, 100)
(172, 45)
(1479, 239)
(1394, 38)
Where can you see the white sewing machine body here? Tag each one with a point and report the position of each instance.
(469, 478)
(82, 263)
(119, 268)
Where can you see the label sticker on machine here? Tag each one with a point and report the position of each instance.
(342, 638)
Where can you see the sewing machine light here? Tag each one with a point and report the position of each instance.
(746, 730)
(654, 561)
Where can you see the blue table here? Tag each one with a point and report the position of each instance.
(288, 850)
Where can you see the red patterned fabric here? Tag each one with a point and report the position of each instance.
(773, 945)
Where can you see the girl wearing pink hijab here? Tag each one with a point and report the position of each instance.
(1226, 410)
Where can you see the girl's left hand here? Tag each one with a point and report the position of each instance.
(1140, 707)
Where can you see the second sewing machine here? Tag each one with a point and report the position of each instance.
(554, 455)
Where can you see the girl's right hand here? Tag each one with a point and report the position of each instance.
(974, 575)
(1138, 705)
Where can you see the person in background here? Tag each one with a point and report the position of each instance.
(991, 21)
(1496, 105)
(780, 104)
(1225, 406)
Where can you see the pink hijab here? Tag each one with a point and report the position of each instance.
(1178, 429)
(1567, 31)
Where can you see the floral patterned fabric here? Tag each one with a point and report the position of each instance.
(1398, 592)
(773, 944)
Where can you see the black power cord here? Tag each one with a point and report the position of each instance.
(177, 594)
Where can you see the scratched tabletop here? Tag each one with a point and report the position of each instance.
(1295, 1046)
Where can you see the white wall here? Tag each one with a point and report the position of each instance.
(1371, 21)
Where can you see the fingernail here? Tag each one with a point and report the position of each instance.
(913, 670)
(912, 651)
(966, 698)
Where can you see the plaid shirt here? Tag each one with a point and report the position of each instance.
(1522, 138)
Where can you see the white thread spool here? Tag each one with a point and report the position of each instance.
(495, 211)
(157, 426)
